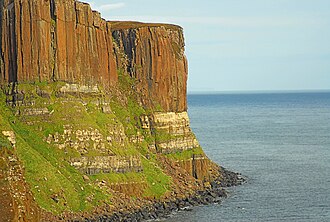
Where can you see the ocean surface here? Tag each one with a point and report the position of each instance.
(279, 141)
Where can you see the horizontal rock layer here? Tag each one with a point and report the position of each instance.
(107, 164)
(171, 130)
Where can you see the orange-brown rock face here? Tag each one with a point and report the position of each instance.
(198, 167)
(64, 40)
(154, 54)
(44, 40)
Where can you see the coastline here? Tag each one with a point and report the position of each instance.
(161, 209)
(98, 133)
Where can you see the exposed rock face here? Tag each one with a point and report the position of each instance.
(77, 88)
(129, 188)
(172, 131)
(65, 40)
(55, 40)
(10, 136)
(86, 140)
(107, 164)
(155, 56)
(198, 167)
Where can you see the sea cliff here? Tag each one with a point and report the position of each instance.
(93, 118)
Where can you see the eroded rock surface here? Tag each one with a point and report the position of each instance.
(107, 164)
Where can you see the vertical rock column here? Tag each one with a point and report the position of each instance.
(25, 40)
(55, 40)
(155, 57)
(8, 41)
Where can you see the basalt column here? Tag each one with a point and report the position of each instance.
(55, 40)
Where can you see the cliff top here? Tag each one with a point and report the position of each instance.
(118, 25)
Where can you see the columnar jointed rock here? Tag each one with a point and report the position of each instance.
(65, 40)
(55, 40)
(197, 166)
(154, 54)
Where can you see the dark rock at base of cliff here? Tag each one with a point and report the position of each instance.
(212, 195)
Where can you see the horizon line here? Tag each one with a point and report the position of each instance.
(196, 92)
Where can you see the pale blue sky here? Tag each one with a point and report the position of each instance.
(243, 44)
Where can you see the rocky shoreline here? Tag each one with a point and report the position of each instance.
(214, 194)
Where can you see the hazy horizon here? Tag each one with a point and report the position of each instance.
(243, 45)
(260, 91)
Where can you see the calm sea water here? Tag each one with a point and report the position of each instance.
(280, 141)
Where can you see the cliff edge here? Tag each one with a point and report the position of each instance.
(93, 118)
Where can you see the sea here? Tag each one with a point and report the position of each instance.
(279, 141)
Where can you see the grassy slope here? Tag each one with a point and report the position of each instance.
(47, 172)
(57, 186)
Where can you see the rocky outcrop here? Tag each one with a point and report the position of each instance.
(10, 136)
(86, 140)
(130, 188)
(107, 164)
(78, 88)
(171, 130)
(198, 166)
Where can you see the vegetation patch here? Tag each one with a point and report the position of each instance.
(56, 185)
(185, 155)
(158, 182)
(136, 25)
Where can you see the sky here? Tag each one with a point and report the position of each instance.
(243, 45)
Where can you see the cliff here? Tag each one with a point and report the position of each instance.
(93, 116)
(67, 41)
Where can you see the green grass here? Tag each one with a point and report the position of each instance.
(4, 125)
(49, 174)
(162, 136)
(185, 155)
(135, 25)
(47, 171)
(158, 182)
(119, 177)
